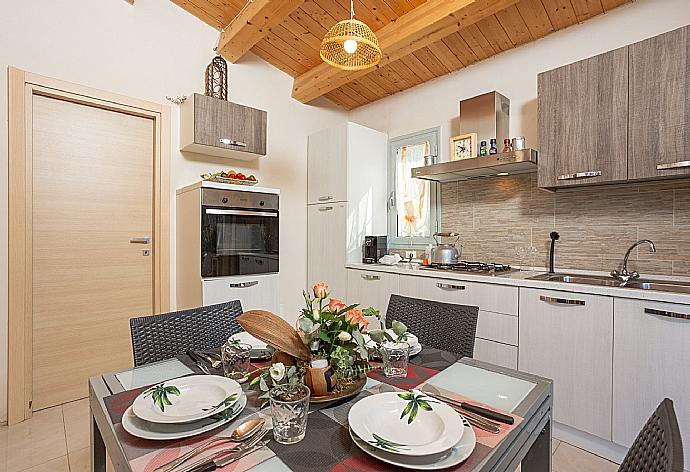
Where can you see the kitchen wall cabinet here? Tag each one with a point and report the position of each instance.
(650, 362)
(346, 175)
(220, 128)
(660, 106)
(371, 289)
(583, 121)
(568, 337)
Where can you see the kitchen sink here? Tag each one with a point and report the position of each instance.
(605, 281)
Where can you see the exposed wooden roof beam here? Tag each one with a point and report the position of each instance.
(424, 25)
(252, 24)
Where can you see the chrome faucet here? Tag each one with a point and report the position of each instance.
(624, 276)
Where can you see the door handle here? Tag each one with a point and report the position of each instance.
(144, 240)
(232, 142)
(580, 175)
(673, 165)
(371, 277)
(667, 314)
(450, 286)
(325, 208)
(562, 301)
(244, 284)
(325, 198)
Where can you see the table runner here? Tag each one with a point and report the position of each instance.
(327, 445)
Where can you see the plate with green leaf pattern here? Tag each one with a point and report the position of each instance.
(406, 423)
(186, 399)
(164, 432)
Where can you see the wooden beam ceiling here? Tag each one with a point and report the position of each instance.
(421, 27)
(293, 45)
(252, 24)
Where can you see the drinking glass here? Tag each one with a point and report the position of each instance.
(289, 408)
(532, 253)
(236, 357)
(395, 358)
(520, 252)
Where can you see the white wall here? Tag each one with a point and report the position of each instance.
(148, 51)
(514, 73)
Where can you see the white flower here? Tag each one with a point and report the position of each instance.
(277, 371)
(315, 313)
(344, 336)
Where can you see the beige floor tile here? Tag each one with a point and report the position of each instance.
(79, 461)
(554, 444)
(33, 442)
(569, 458)
(56, 465)
(77, 417)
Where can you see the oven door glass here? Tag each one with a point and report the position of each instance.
(238, 242)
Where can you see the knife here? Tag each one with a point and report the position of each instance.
(477, 410)
(228, 459)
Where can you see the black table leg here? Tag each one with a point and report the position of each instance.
(97, 448)
(538, 459)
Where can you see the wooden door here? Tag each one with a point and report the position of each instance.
(650, 362)
(660, 106)
(326, 243)
(583, 121)
(568, 337)
(92, 193)
(327, 166)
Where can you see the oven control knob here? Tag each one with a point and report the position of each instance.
(225, 200)
(261, 203)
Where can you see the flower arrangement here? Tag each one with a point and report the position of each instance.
(273, 375)
(333, 332)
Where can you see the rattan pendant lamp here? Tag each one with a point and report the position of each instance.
(351, 45)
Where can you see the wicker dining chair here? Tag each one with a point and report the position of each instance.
(159, 337)
(658, 446)
(445, 326)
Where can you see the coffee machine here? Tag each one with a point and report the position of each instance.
(375, 247)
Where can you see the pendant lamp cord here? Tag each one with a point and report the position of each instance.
(352, 9)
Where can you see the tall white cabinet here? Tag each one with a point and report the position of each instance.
(346, 199)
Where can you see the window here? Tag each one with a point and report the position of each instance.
(412, 214)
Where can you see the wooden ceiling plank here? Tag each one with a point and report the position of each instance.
(356, 98)
(407, 75)
(304, 34)
(383, 10)
(611, 4)
(400, 7)
(374, 86)
(514, 26)
(445, 55)
(560, 13)
(340, 98)
(199, 13)
(381, 82)
(362, 88)
(408, 33)
(284, 63)
(476, 41)
(297, 44)
(253, 24)
(535, 17)
(461, 49)
(586, 9)
(286, 49)
(419, 67)
(303, 18)
(495, 34)
(431, 62)
(321, 16)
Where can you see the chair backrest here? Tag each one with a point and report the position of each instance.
(658, 446)
(159, 337)
(445, 326)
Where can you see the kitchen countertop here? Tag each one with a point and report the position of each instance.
(520, 279)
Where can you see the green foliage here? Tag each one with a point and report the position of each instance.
(225, 402)
(159, 393)
(387, 445)
(415, 402)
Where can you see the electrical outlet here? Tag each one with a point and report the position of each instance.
(409, 254)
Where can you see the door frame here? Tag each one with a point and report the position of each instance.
(22, 86)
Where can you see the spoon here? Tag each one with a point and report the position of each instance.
(243, 432)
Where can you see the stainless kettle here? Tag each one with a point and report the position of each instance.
(446, 253)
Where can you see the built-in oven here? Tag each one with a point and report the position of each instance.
(239, 232)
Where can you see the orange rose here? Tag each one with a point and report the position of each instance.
(335, 305)
(355, 317)
(321, 290)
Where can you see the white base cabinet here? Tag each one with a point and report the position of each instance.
(371, 289)
(255, 292)
(568, 337)
(651, 361)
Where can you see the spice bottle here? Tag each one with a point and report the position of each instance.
(493, 149)
(483, 150)
(506, 145)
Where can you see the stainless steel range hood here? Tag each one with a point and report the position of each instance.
(496, 165)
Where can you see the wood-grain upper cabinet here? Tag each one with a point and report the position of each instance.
(568, 337)
(220, 128)
(327, 165)
(660, 106)
(583, 121)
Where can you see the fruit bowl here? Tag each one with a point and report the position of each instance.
(228, 180)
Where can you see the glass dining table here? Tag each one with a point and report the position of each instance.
(327, 445)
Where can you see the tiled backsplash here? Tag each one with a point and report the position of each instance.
(596, 224)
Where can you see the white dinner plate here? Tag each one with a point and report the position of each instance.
(163, 432)
(245, 337)
(406, 423)
(452, 457)
(186, 399)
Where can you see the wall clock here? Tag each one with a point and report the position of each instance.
(463, 146)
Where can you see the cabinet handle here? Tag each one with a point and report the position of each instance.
(232, 142)
(144, 240)
(450, 286)
(563, 301)
(667, 314)
(325, 199)
(371, 277)
(244, 284)
(580, 175)
(673, 165)
(325, 208)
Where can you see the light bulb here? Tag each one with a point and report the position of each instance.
(350, 46)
